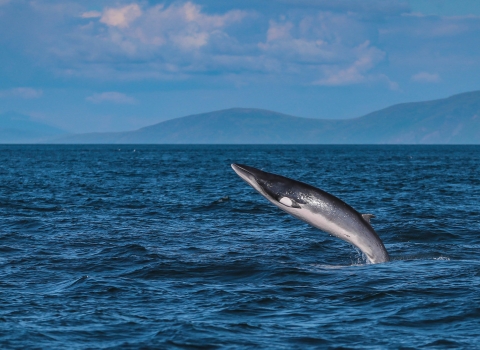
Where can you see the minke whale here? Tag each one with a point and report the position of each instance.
(318, 208)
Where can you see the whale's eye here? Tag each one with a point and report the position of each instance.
(288, 202)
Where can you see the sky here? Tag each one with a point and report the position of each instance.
(99, 65)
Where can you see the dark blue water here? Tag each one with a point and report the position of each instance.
(166, 247)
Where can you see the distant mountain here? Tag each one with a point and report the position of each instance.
(236, 125)
(19, 128)
(453, 120)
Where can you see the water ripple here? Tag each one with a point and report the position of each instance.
(165, 247)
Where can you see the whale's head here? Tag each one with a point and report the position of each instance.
(281, 191)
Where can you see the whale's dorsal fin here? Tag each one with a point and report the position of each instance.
(367, 217)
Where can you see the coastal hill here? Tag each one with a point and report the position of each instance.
(452, 120)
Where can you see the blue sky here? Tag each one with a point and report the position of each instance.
(119, 65)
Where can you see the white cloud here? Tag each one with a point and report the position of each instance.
(139, 41)
(21, 92)
(112, 97)
(136, 41)
(182, 40)
(183, 26)
(329, 49)
(425, 77)
(121, 17)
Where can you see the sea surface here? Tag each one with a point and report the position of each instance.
(165, 247)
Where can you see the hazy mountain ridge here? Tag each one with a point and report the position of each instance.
(452, 120)
(19, 128)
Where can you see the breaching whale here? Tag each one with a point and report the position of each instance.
(318, 208)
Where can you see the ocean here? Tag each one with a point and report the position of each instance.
(165, 247)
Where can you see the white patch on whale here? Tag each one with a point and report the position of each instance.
(286, 201)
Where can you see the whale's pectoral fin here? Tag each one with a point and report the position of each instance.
(367, 217)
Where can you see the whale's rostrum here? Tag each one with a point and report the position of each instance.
(318, 208)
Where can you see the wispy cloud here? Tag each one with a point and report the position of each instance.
(366, 58)
(91, 14)
(425, 77)
(389, 7)
(111, 97)
(21, 92)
